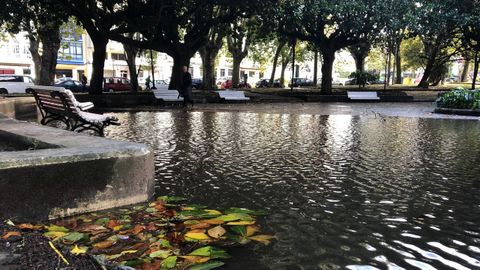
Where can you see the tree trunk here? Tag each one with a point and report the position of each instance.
(475, 70)
(179, 61)
(285, 61)
(237, 60)
(359, 63)
(131, 55)
(209, 55)
(465, 69)
(426, 75)
(37, 61)
(328, 55)
(50, 46)
(315, 68)
(398, 63)
(389, 67)
(99, 53)
(275, 61)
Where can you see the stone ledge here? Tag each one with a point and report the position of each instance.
(80, 174)
(458, 111)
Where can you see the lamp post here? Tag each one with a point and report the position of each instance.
(294, 43)
(153, 70)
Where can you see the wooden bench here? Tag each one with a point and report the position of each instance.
(59, 104)
(352, 95)
(232, 95)
(164, 94)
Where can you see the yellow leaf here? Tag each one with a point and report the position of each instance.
(55, 235)
(196, 259)
(129, 252)
(262, 238)
(197, 236)
(214, 212)
(118, 228)
(79, 250)
(240, 223)
(213, 221)
(251, 230)
(216, 232)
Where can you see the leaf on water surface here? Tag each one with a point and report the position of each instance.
(169, 262)
(217, 232)
(91, 228)
(170, 199)
(196, 259)
(252, 229)
(235, 217)
(102, 221)
(11, 234)
(236, 223)
(28, 226)
(241, 230)
(209, 251)
(55, 228)
(76, 250)
(263, 238)
(197, 235)
(213, 221)
(104, 244)
(160, 254)
(73, 237)
(207, 266)
(197, 226)
(55, 235)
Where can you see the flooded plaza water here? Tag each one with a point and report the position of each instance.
(342, 191)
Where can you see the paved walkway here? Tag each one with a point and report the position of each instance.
(417, 109)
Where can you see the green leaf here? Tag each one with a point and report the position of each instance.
(234, 217)
(55, 228)
(73, 237)
(203, 251)
(212, 252)
(171, 199)
(241, 230)
(160, 254)
(169, 262)
(164, 243)
(102, 221)
(207, 266)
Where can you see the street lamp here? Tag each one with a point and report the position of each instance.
(153, 70)
(294, 43)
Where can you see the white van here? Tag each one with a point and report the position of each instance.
(15, 84)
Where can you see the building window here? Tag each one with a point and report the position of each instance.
(118, 56)
(123, 73)
(251, 74)
(27, 71)
(71, 51)
(16, 49)
(222, 72)
(230, 72)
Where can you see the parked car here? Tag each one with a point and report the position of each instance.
(72, 85)
(197, 83)
(266, 83)
(301, 82)
(228, 85)
(15, 84)
(116, 84)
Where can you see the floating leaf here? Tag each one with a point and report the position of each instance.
(160, 254)
(7, 235)
(197, 236)
(241, 230)
(169, 262)
(203, 251)
(76, 250)
(102, 221)
(235, 217)
(28, 226)
(213, 221)
(207, 266)
(251, 230)
(216, 232)
(196, 259)
(236, 223)
(104, 244)
(73, 237)
(263, 238)
(235, 210)
(170, 199)
(55, 228)
(209, 251)
(55, 235)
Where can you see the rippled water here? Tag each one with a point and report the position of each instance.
(341, 191)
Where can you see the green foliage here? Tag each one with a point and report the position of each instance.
(459, 99)
(362, 78)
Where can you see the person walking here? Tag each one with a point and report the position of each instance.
(147, 82)
(186, 86)
(84, 81)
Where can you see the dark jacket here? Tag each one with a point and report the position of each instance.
(186, 81)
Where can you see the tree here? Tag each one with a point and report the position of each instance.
(131, 54)
(41, 20)
(470, 25)
(330, 26)
(209, 53)
(438, 28)
(359, 53)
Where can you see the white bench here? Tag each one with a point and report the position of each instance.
(362, 95)
(232, 95)
(164, 94)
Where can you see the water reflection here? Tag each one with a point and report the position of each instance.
(342, 191)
